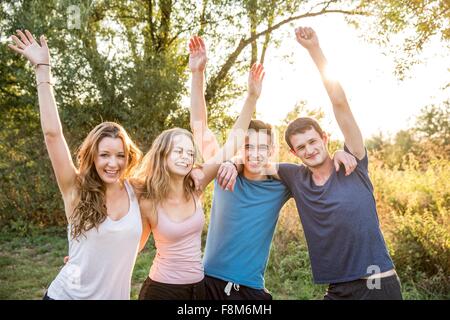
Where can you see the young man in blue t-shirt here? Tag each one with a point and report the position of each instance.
(337, 210)
(242, 222)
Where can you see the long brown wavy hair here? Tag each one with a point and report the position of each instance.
(152, 178)
(90, 205)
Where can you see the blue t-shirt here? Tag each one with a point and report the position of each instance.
(241, 229)
(340, 222)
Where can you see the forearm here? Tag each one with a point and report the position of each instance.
(198, 104)
(50, 122)
(341, 109)
(203, 137)
(243, 121)
(237, 135)
(333, 87)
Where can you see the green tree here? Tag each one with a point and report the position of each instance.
(405, 27)
(433, 123)
(126, 62)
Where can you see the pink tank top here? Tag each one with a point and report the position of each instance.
(178, 258)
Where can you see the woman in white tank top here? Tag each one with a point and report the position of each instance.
(104, 220)
(171, 205)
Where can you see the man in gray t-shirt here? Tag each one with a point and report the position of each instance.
(338, 211)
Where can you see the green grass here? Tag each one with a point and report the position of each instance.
(28, 265)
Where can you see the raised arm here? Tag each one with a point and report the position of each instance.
(236, 137)
(58, 150)
(203, 136)
(344, 117)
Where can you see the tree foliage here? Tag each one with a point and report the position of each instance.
(126, 61)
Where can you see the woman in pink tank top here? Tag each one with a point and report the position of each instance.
(172, 206)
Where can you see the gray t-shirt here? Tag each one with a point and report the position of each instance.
(340, 222)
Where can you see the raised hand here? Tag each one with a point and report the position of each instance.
(30, 49)
(307, 37)
(197, 54)
(255, 80)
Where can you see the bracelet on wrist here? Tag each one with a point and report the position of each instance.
(234, 164)
(41, 82)
(43, 64)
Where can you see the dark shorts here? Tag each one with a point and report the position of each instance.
(215, 290)
(153, 290)
(389, 289)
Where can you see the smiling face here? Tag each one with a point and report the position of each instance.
(110, 160)
(257, 151)
(181, 157)
(310, 147)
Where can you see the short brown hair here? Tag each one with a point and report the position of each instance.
(258, 125)
(301, 125)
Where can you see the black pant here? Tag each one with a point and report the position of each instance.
(153, 290)
(215, 290)
(389, 289)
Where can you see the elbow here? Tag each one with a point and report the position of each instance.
(50, 135)
(340, 103)
(198, 125)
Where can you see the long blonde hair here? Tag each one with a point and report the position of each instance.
(90, 205)
(152, 178)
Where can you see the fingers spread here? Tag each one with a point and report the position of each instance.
(16, 49)
(23, 37)
(43, 41)
(198, 44)
(202, 43)
(260, 70)
(18, 42)
(257, 71)
(30, 36)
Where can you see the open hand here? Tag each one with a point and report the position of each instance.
(197, 54)
(27, 46)
(255, 80)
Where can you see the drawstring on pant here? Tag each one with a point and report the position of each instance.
(228, 287)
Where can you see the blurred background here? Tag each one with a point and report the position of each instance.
(126, 61)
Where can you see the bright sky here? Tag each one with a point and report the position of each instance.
(378, 100)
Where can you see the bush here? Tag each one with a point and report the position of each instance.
(414, 211)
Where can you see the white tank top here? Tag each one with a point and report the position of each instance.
(101, 261)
